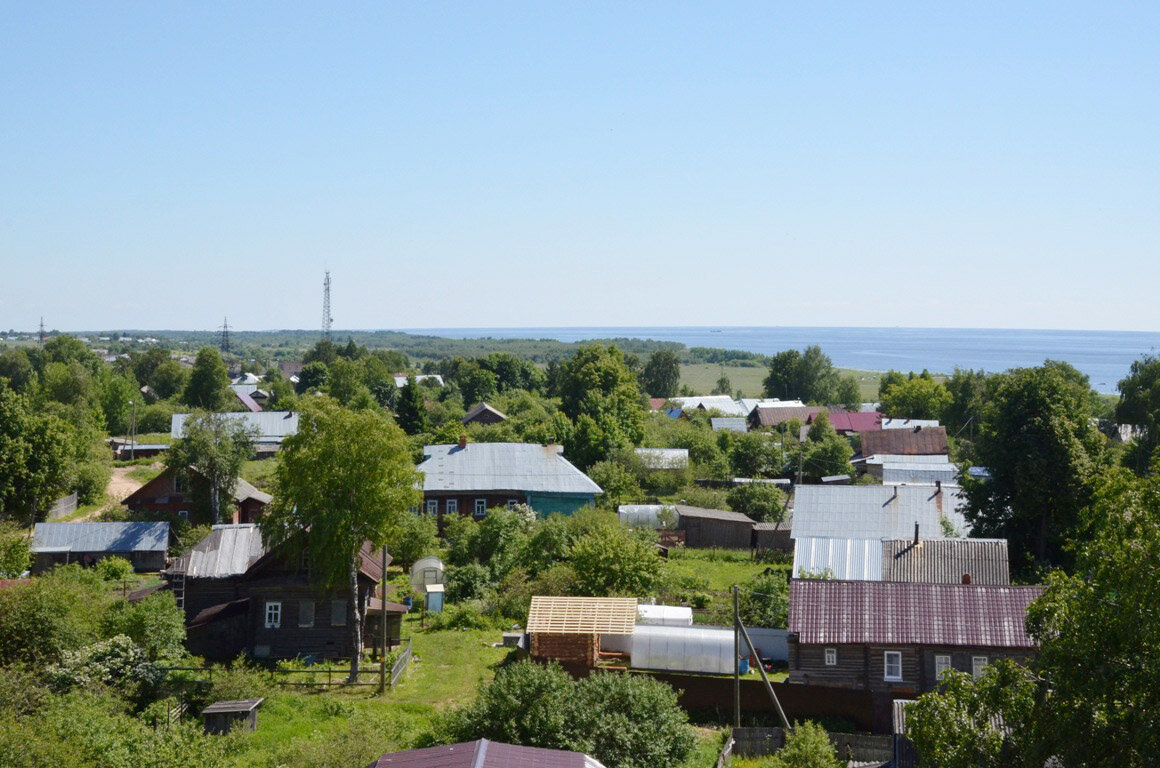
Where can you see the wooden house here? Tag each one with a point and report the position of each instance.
(714, 528)
(918, 441)
(763, 417)
(484, 414)
(240, 597)
(142, 544)
(471, 478)
(171, 494)
(899, 637)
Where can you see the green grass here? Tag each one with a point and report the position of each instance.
(702, 377)
(259, 473)
(146, 472)
(711, 572)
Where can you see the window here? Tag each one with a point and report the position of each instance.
(273, 615)
(453, 506)
(831, 657)
(978, 666)
(480, 507)
(511, 503)
(893, 661)
(183, 514)
(338, 613)
(414, 510)
(942, 665)
(306, 613)
(432, 506)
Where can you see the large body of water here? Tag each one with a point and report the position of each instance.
(1103, 355)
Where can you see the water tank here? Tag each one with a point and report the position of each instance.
(427, 570)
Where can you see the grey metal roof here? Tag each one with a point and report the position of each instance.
(229, 550)
(100, 537)
(664, 458)
(848, 559)
(502, 467)
(722, 403)
(920, 472)
(876, 511)
(945, 561)
(749, 403)
(902, 458)
(243, 490)
(728, 424)
(908, 423)
(684, 510)
(401, 381)
(271, 426)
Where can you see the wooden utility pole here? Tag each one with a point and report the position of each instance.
(736, 662)
(383, 626)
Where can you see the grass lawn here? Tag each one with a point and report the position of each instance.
(146, 472)
(712, 573)
(259, 473)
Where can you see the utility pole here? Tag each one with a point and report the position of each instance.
(736, 662)
(133, 433)
(383, 626)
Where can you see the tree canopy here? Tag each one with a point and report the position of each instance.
(599, 393)
(212, 447)
(662, 374)
(209, 382)
(808, 376)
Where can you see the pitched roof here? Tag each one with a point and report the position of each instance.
(485, 754)
(663, 458)
(229, 550)
(728, 424)
(919, 472)
(582, 615)
(502, 467)
(684, 510)
(723, 403)
(771, 417)
(853, 422)
(401, 379)
(243, 490)
(908, 423)
(657, 403)
(100, 537)
(907, 442)
(945, 561)
(271, 426)
(899, 613)
(877, 511)
(247, 400)
(749, 403)
(483, 408)
(840, 558)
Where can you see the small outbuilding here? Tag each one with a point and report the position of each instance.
(484, 414)
(222, 716)
(142, 544)
(709, 528)
(568, 629)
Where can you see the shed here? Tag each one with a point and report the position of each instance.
(568, 629)
(773, 535)
(708, 528)
(222, 716)
(142, 544)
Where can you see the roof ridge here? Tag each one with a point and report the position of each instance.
(480, 754)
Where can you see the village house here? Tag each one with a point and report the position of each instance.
(171, 494)
(901, 637)
(142, 544)
(763, 417)
(714, 528)
(847, 424)
(471, 478)
(238, 596)
(878, 511)
(269, 428)
(930, 561)
(917, 441)
(484, 414)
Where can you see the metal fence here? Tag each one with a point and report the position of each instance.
(401, 664)
(63, 507)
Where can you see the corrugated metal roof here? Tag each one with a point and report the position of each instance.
(100, 537)
(401, 381)
(248, 401)
(749, 403)
(877, 511)
(229, 550)
(848, 559)
(897, 613)
(502, 467)
(722, 403)
(853, 422)
(908, 423)
(944, 561)
(728, 424)
(664, 458)
(908, 442)
(582, 615)
(271, 426)
(771, 417)
(920, 472)
(899, 458)
(485, 754)
(712, 514)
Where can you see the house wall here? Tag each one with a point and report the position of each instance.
(559, 504)
(467, 501)
(567, 649)
(704, 533)
(143, 562)
(779, 540)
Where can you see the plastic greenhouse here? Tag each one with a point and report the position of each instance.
(664, 615)
(426, 570)
(683, 649)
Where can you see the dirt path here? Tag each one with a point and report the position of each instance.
(120, 486)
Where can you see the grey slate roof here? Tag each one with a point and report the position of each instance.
(684, 510)
(243, 490)
(272, 426)
(876, 511)
(722, 403)
(229, 550)
(897, 613)
(846, 559)
(944, 561)
(100, 537)
(482, 408)
(503, 467)
(728, 424)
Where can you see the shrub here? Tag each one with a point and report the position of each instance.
(117, 662)
(156, 624)
(114, 568)
(15, 556)
(764, 601)
(467, 582)
(53, 614)
(807, 746)
(462, 616)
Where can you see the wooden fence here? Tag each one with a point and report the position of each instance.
(726, 755)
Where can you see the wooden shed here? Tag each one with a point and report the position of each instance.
(221, 716)
(568, 629)
(709, 528)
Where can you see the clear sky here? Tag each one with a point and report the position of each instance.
(975, 164)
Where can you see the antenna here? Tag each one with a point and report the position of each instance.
(41, 337)
(224, 343)
(326, 318)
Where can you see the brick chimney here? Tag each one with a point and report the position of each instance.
(462, 442)
(966, 578)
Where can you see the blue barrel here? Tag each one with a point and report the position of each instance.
(743, 665)
(408, 601)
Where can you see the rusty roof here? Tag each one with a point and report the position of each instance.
(771, 417)
(946, 561)
(582, 615)
(899, 613)
(920, 441)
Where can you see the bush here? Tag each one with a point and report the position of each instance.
(807, 746)
(764, 601)
(614, 562)
(156, 624)
(15, 556)
(417, 537)
(467, 582)
(240, 681)
(91, 480)
(53, 614)
(117, 662)
(114, 568)
(462, 616)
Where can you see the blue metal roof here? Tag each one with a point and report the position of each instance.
(100, 537)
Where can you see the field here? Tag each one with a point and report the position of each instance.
(702, 377)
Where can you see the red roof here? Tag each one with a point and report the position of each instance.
(481, 754)
(656, 403)
(899, 613)
(920, 441)
(854, 422)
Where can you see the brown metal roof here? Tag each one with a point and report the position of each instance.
(921, 441)
(713, 514)
(483, 754)
(946, 561)
(899, 613)
(771, 417)
(582, 615)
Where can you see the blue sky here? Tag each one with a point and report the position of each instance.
(163, 165)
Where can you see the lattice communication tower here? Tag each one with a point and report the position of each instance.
(326, 318)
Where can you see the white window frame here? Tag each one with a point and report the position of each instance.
(432, 507)
(979, 665)
(886, 665)
(305, 608)
(831, 657)
(273, 614)
(415, 510)
(942, 665)
(511, 503)
(480, 507)
(183, 514)
(451, 506)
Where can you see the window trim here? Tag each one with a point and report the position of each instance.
(432, 507)
(273, 614)
(451, 506)
(831, 657)
(886, 666)
(942, 660)
(511, 503)
(341, 615)
(480, 507)
(978, 669)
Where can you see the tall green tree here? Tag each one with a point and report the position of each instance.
(662, 374)
(36, 458)
(808, 376)
(344, 480)
(410, 408)
(917, 397)
(209, 382)
(213, 447)
(1041, 449)
(964, 413)
(600, 394)
(1140, 406)
(763, 502)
